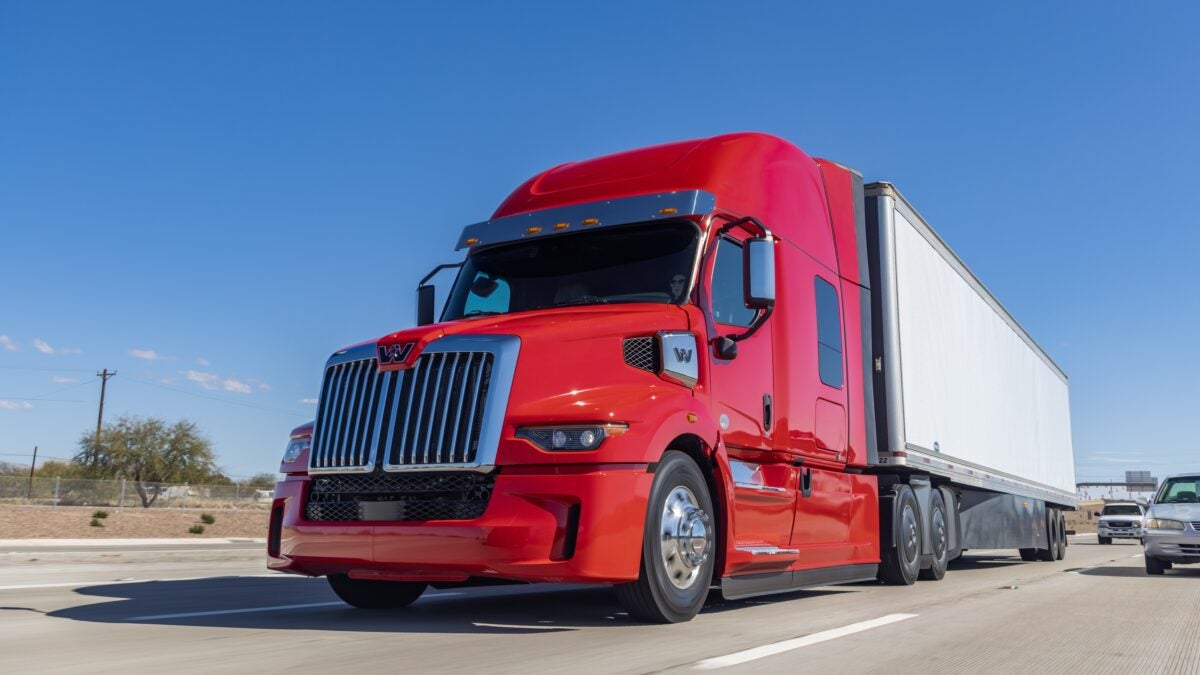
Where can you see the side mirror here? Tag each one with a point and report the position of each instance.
(759, 266)
(425, 301)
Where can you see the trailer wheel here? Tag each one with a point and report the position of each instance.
(376, 594)
(938, 538)
(901, 562)
(1048, 554)
(677, 546)
(1060, 551)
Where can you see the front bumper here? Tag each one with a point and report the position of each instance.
(545, 523)
(1173, 545)
(1119, 532)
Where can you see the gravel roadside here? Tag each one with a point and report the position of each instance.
(73, 522)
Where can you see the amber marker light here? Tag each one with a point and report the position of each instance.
(472, 241)
(533, 230)
(591, 221)
(561, 226)
(669, 211)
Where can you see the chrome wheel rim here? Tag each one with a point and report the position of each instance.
(908, 533)
(939, 534)
(686, 538)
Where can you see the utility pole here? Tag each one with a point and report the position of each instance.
(104, 375)
(29, 491)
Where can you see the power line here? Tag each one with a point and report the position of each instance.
(48, 370)
(217, 398)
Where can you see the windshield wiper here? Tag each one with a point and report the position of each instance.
(480, 312)
(582, 300)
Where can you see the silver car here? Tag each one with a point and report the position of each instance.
(1172, 526)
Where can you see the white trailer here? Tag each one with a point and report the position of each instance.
(965, 401)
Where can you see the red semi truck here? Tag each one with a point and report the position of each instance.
(712, 363)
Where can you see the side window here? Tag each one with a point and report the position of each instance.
(829, 334)
(728, 298)
(487, 296)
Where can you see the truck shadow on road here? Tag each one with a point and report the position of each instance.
(1137, 572)
(295, 603)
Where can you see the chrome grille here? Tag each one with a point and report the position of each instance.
(442, 412)
(641, 353)
(1196, 525)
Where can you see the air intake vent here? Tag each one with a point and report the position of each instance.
(642, 353)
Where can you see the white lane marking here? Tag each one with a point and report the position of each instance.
(764, 651)
(1136, 555)
(273, 608)
(96, 582)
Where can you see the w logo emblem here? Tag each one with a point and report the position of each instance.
(683, 355)
(394, 353)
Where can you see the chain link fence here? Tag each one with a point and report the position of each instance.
(123, 493)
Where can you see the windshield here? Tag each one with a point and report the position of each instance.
(1121, 510)
(640, 263)
(1179, 491)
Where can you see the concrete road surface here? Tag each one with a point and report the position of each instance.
(215, 609)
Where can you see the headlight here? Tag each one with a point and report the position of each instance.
(570, 438)
(1163, 524)
(295, 448)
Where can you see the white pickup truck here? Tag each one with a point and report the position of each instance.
(1120, 520)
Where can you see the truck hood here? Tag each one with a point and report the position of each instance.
(1188, 512)
(1136, 519)
(559, 326)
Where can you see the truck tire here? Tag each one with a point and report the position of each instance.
(901, 562)
(939, 538)
(1061, 551)
(376, 594)
(1105, 540)
(1048, 554)
(1154, 566)
(1028, 554)
(677, 546)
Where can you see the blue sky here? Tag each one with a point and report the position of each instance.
(237, 189)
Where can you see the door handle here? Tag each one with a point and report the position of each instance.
(805, 482)
(767, 412)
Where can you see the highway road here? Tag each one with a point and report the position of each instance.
(182, 609)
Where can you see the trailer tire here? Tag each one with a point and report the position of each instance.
(939, 539)
(1028, 554)
(678, 543)
(1048, 554)
(376, 594)
(1060, 551)
(901, 562)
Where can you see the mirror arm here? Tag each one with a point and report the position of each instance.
(734, 221)
(439, 268)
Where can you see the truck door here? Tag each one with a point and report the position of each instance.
(742, 390)
(819, 437)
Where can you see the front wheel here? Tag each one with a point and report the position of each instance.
(376, 594)
(677, 546)
(1105, 540)
(1155, 566)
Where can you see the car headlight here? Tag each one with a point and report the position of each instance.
(295, 448)
(575, 437)
(1163, 524)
